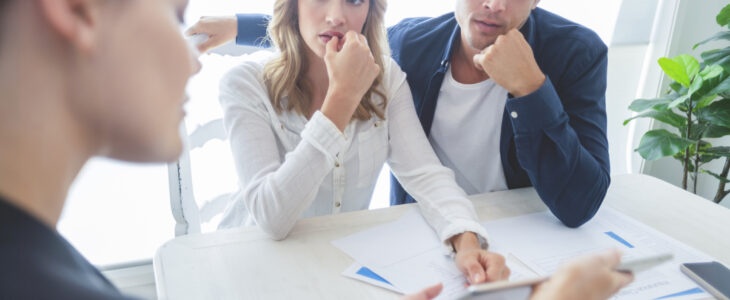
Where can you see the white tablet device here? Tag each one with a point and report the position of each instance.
(523, 288)
(644, 263)
(498, 290)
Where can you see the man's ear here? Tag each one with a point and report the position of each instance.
(73, 20)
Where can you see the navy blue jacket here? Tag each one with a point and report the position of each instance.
(553, 139)
(37, 263)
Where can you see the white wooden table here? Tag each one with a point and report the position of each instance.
(245, 264)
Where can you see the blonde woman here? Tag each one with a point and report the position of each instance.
(312, 125)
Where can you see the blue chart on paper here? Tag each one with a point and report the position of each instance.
(685, 293)
(619, 239)
(624, 242)
(370, 274)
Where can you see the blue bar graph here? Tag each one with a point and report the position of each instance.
(619, 239)
(683, 293)
(370, 274)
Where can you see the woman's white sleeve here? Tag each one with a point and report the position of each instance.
(416, 166)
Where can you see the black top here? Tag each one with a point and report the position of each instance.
(37, 263)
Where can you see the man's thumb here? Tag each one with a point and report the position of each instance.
(478, 61)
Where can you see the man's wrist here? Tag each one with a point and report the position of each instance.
(531, 87)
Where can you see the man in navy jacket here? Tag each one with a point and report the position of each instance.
(552, 133)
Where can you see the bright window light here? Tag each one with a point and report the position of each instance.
(118, 212)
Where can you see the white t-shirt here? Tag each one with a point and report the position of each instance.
(466, 131)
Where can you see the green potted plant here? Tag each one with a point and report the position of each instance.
(697, 105)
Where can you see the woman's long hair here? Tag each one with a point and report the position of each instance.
(284, 75)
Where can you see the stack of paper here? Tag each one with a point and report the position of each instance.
(543, 244)
(406, 256)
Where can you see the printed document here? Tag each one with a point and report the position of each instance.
(406, 255)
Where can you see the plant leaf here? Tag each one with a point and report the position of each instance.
(667, 117)
(715, 55)
(715, 131)
(711, 71)
(722, 151)
(702, 103)
(679, 157)
(723, 18)
(678, 101)
(707, 158)
(690, 64)
(680, 68)
(696, 85)
(674, 70)
(719, 57)
(717, 176)
(659, 143)
(640, 105)
(698, 129)
(691, 167)
(712, 56)
(676, 86)
(722, 35)
(723, 87)
(717, 113)
(703, 88)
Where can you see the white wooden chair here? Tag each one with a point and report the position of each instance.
(198, 207)
(191, 214)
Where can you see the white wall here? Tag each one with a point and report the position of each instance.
(625, 64)
(695, 22)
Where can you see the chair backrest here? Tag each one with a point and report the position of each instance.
(198, 214)
(204, 178)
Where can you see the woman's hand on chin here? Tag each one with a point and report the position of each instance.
(351, 73)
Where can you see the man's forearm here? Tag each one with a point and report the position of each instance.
(252, 30)
(565, 155)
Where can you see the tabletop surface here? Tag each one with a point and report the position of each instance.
(245, 264)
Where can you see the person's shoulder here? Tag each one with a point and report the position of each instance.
(565, 49)
(37, 263)
(59, 288)
(393, 75)
(417, 44)
(244, 83)
(243, 87)
(422, 25)
(390, 66)
(32, 273)
(557, 31)
(420, 31)
(250, 67)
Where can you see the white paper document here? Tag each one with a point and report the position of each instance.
(543, 244)
(407, 255)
